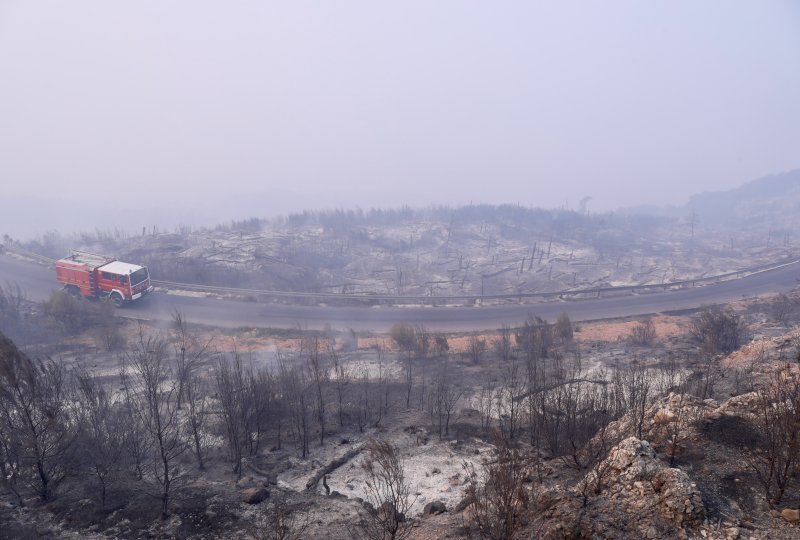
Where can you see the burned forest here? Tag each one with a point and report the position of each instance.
(679, 423)
(399, 270)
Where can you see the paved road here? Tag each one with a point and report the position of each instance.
(39, 281)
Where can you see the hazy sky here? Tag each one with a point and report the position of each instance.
(287, 104)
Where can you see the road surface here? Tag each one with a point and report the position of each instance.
(38, 282)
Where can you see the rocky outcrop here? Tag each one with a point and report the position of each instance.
(639, 481)
(631, 494)
(741, 405)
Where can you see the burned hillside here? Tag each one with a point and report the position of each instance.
(472, 250)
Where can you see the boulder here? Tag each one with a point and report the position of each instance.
(792, 515)
(434, 508)
(254, 495)
(245, 482)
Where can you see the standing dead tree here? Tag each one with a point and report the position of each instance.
(196, 397)
(633, 391)
(445, 395)
(508, 396)
(576, 408)
(11, 468)
(232, 392)
(154, 391)
(137, 440)
(486, 400)
(502, 345)
(38, 429)
(675, 425)
(403, 336)
(776, 461)
(364, 402)
(381, 384)
(293, 384)
(387, 491)
(265, 410)
(341, 378)
(190, 352)
(312, 349)
(498, 494)
(103, 430)
(422, 342)
(414, 342)
(535, 338)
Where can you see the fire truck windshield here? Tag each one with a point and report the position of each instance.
(139, 276)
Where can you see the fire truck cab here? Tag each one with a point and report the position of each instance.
(97, 276)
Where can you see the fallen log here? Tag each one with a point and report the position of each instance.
(332, 466)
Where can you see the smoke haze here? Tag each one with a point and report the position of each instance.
(196, 112)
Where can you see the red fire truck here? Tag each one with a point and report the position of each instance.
(97, 276)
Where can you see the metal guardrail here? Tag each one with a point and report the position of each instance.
(597, 291)
(29, 254)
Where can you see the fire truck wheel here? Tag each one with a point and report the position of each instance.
(116, 299)
(73, 291)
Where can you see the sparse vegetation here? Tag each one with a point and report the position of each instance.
(388, 492)
(719, 330)
(643, 333)
(563, 328)
(786, 309)
(477, 347)
(74, 315)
